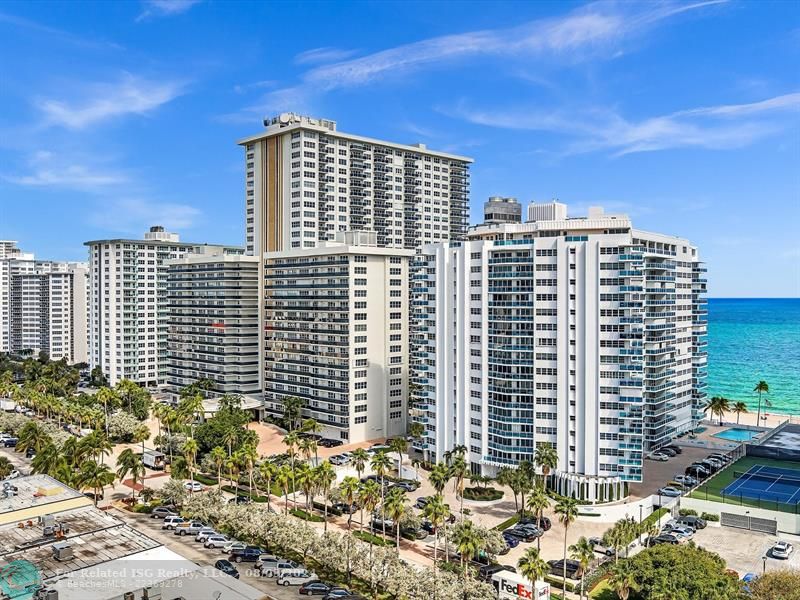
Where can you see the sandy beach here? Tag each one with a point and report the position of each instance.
(749, 418)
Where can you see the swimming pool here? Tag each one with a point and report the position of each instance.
(737, 435)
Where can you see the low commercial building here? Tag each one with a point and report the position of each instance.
(336, 335)
(583, 334)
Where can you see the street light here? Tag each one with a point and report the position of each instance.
(764, 558)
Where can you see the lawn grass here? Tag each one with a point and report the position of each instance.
(713, 489)
(603, 591)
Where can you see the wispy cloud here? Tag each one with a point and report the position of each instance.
(164, 8)
(326, 54)
(243, 88)
(133, 215)
(48, 172)
(592, 29)
(104, 101)
(714, 127)
(55, 33)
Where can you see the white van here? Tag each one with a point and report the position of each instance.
(172, 521)
(295, 577)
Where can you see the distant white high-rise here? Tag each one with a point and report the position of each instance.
(128, 296)
(584, 334)
(43, 305)
(306, 181)
(548, 211)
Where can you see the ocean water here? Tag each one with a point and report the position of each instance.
(754, 339)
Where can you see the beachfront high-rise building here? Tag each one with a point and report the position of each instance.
(42, 305)
(498, 210)
(336, 335)
(584, 334)
(127, 304)
(306, 181)
(212, 318)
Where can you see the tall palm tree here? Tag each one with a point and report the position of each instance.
(307, 447)
(96, 445)
(32, 437)
(459, 469)
(268, 471)
(380, 464)
(348, 489)
(368, 498)
(762, 387)
(283, 478)
(533, 566)
(125, 463)
(583, 552)
(325, 475)
(506, 476)
(622, 579)
(233, 464)
(218, 456)
(306, 481)
(546, 458)
(396, 508)
(190, 448)
(567, 511)
(249, 458)
(94, 476)
(360, 458)
(537, 503)
(739, 408)
(717, 406)
(49, 460)
(312, 426)
(436, 512)
(467, 540)
(399, 445)
(292, 409)
(106, 396)
(439, 476)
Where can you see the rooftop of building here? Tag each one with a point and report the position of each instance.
(287, 122)
(157, 236)
(32, 496)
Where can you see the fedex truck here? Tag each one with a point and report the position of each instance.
(511, 586)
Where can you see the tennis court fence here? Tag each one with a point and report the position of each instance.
(768, 502)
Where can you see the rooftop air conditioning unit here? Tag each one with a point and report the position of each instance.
(47, 595)
(63, 551)
(150, 593)
(128, 596)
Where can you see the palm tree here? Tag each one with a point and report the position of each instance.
(268, 471)
(360, 458)
(306, 481)
(739, 408)
(567, 511)
(416, 463)
(233, 465)
(292, 409)
(307, 447)
(380, 464)
(348, 489)
(94, 476)
(506, 476)
(546, 458)
(284, 477)
(762, 387)
(533, 566)
(190, 448)
(537, 502)
(396, 507)
(325, 475)
(32, 437)
(399, 445)
(439, 476)
(368, 498)
(218, 456)
(312, 426)
(95, 444)
(468, 542)
(583, 552)
(436, 512)
(622, 579)
(249, 458)
(459, 470)
(230, 437)
(106, 396)
(6, 466)
(717, 406)
(125, 464)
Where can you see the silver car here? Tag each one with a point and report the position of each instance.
(782, 550)
(216, 541)
(204, 533)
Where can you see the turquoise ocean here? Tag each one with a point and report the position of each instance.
(754, 339)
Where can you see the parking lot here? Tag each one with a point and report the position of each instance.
(744, 550)
(658, 474)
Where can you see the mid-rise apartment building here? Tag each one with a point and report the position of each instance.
(128, 295)
(336, 335)
(212, 318)
(497, 210)
(306, 181)
(584, 334)
(43, 305)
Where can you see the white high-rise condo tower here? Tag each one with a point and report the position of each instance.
(583, 334)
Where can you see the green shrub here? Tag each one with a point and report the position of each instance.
(653, 518)
(590, 514)
(241, 492)
(301, 514)
(687, 512)
(205, 479)
(710, 517)
(482, 494)
(331, 511)
(507, 523)
(365, 536)
(558, 582)
(142, 509)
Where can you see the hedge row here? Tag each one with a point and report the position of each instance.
(482, 494)
(376, 540)
(558, 582)
(301, 514)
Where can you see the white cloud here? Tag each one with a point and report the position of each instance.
(47, 171)
(132, 215)
(714, 127)
(165, 8)
(101, 102)
(55, 33)
(326, 54)
(597, 27)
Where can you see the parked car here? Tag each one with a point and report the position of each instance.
(665, 538)
(487, 571)
(226, 567)
(240, 500)
(14, 474)
(346, 509)
(511, 541)
(544, 523)
(422, 502)
(215, 541)
(161, 512)
(599, 546)
(233, 545)
(573, 568)
(246, 554)
(417, 534)
(782, 550)
(314, 588)
(30, 453)
(171, 521)
(677, 449)
(523, 534)
(193, 486)
(338, 593)
(189, 528)
(711, 466)
(329, 443)
(657, 456)
(272, 567)
(698, 471)
(668, 451)
(204, 534)
(296, 577)
(682, 533)
(669, 492)
(685, 480)
(409, 486)
(339, 459)
(9, 441)
(692, 521)
(721, 457)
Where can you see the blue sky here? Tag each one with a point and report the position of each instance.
(118, 115)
